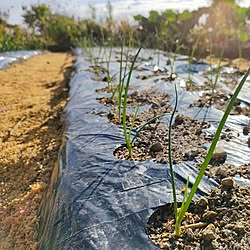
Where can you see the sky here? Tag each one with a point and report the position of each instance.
(121, 8)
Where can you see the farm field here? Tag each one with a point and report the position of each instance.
(125, 134)
(33, 95)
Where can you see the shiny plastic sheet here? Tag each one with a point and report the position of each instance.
(99, 202)
(7, 58)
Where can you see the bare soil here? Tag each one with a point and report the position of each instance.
(218, 221)
(33, 95)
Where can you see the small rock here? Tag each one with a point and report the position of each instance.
(237, 246)
(190, 233)
(237, 102)
(163, 103)
(238, 228)
(105, 79)
(154, 236)
(219, 156)
(163, 161)
(209, 215)
(203, 202)
(111, 116)
(227, 183)
(178, 120)
(172, 77)
(144, 77)
(221, 172)
(164, 244)
(190, 156)
(198, 131)
(222, 223)
(223, 137)
(156, 147)
(156, 68)
(215, 244)
(209, 232)
(109, 101)
(155, 105)
(246, 130)
(194, 153)
(226, 232)
(248, 142)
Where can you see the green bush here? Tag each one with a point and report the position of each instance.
(168, 30)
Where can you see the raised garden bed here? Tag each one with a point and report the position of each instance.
(102, 199)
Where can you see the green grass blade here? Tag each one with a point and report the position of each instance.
(212, 147)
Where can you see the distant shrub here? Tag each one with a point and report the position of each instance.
(224, 28)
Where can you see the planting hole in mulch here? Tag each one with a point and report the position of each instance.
(219, 221)
(152, 142)
(220, 101)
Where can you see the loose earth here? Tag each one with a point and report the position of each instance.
(33, 95)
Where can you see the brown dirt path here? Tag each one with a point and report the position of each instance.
(33, 94)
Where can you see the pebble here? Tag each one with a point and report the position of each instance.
(156, 105)
(246, 130)
(215, 244)
(203, 202)
(111, 116)
(219, 156)
(209, 215)
(190, 233)
(178, 120)
(237, 246)
(238, 228)
(172, 77)
(163, 161)
(198, 131)
(227, 182)
(226, 232)
(144, 77)
(209, 232)
(221, 172)
(191, 155)
(164, 244)
(156, 147)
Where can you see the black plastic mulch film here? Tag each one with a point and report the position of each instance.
(97, 201)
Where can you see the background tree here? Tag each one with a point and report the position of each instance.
(37, 17)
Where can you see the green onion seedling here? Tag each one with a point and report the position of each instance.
(127, 134)
(179, 215)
